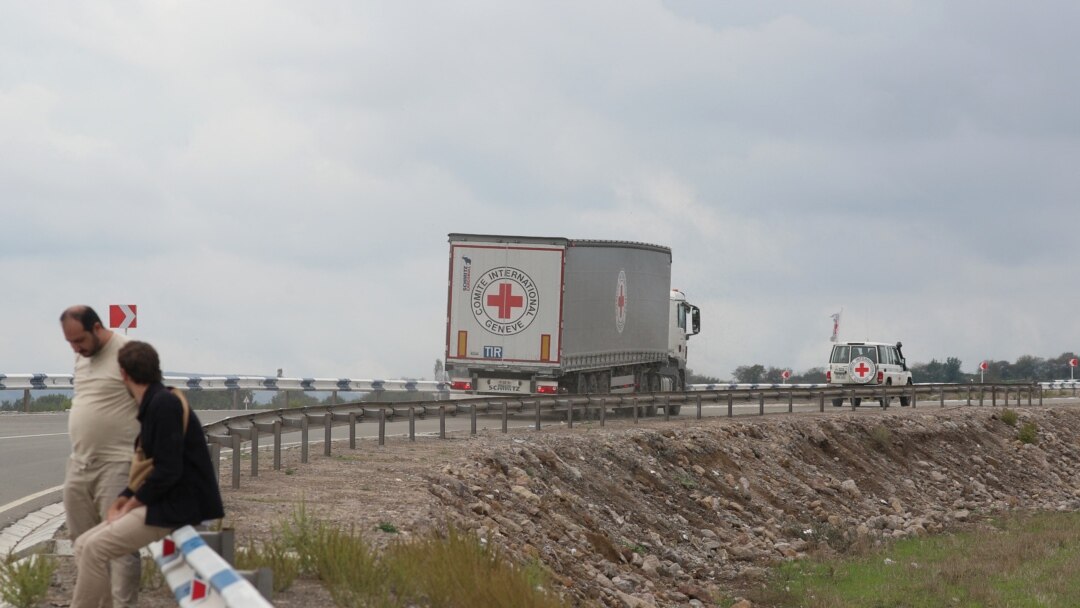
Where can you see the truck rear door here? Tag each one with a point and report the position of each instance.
(505, 304)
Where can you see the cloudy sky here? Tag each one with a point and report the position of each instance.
(272, 183)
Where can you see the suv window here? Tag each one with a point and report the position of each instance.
(870, 352)
(839, 354)
(888, 356)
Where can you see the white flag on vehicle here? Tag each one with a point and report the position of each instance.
(835, 327)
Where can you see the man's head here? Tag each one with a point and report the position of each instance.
(83, 330)
(139, 363)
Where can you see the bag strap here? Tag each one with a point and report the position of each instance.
(184, 404)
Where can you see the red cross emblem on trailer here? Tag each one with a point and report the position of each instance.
(505, 300)
(862, 370)
(620, 302)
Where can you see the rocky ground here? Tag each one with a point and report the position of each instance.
(684, 513)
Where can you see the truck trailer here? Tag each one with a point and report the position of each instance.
(535, 315)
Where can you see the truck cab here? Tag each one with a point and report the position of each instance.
(684, 321)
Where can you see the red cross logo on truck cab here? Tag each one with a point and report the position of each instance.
(505, 301)
(862, 369)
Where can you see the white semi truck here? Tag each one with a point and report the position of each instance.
(531, 315)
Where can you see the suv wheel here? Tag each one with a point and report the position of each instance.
(886, 400)
(904, 399)
(837, 402)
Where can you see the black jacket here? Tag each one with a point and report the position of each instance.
(182, 488)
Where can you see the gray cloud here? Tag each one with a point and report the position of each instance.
(273, 183)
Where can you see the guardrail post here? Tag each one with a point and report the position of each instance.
(730, 405)
(982, 395)
(1006, 395)
(277, 445)
(699, 407)
(914, 397)
(1019, 394)
(761, 404)
(333, 397)
(382, 426)
(1040, 395)
(236, 442)
(851, 394)
(667, 407)
(328, 431)
(993, 395)
(254, 450)
(506, 416)
(442, 422)
(635, 410)
(942, 396)
(26, 400)
(472, 424)
(790, 402)
(215, 457)
(235, 398)
(412, 423)
(603, 411)
(352, 430)
(536, 404)
(821, 402)
(569, 413)
(969, 394)
(303, 438)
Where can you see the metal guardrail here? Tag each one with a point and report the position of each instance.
(257, 383)
(198, 576)
(253, 427)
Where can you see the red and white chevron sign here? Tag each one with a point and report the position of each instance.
(122, 316)
(1074, 362)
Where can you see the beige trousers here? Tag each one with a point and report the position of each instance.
(88, 492)
(107, 541)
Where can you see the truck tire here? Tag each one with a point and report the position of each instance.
(904, 399)
(654, 387)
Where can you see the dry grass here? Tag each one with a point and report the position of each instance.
(440, 571)
(25, 582)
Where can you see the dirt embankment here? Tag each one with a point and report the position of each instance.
(680, 514)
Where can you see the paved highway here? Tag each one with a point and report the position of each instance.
(34, 447)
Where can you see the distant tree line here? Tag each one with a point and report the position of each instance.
(1026, 368)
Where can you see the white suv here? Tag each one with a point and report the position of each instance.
(868, 364)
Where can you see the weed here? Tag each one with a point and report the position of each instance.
(348, 566)
(1009, 417)
(1028, 433)
(150, 576)
(275, 555)
(300, 533)
(686, 481)
(24, 582)
(881, 436)
(388, 527)
(459, 569)
(290, 471)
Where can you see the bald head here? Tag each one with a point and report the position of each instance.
(83, 330)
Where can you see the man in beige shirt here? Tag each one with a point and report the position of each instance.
(102, 428)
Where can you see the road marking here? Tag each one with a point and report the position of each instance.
(26, 499)
(32, 436)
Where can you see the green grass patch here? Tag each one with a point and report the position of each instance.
(1009, 417)
(24, 582)
(1026, 560)
(1028, 433)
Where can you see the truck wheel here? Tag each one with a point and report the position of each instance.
(857, 401)
(837, 402)
(654, 387)
(673, 409)
(582, 385)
